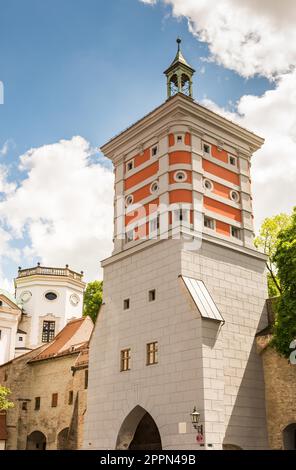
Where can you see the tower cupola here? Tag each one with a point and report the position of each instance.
(179, 75)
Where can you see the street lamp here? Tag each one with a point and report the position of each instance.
(195, 415)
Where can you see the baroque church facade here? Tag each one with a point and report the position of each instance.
(184, 289)
(45, 300)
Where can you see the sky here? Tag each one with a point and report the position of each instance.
(74, 73)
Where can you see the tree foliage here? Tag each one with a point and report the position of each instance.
(284, 258)
(93, 296)
(5, 404)
(267, 241)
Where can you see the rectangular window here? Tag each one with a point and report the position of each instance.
(126, 304)
(152, 295)
(54, 400)
(125, 358)
(232, 160)
(48, 331)
(70, 397)
(24, 406)
(37, 403)
(86, 379)
(130, 165)
(209, 223)
(20, 338)
(129, 236)
(154, 151)
(206, 149)
(181, 215)
(154, 226)
(236, 232)
(179, 138)
(152, 353)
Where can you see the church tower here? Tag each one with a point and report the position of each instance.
(50, 297)
(184, 290)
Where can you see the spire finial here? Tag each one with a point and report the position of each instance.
(178, 41)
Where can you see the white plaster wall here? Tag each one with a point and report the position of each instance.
(38, 306)
(5, 344)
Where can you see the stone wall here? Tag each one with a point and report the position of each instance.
(200, 364)
(41, 379)
(280, 386)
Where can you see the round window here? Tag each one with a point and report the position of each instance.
(74, 299)
(25, 296)
(234, 196)
(208, 185)
(154, 187)
(51, 295)
(129, 200)
(180, 176)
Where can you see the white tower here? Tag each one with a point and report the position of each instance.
(10, 314)
(50, 298)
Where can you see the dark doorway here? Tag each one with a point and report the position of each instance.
(139, 431)
(147, 436)
(289, 437)
(62, 441)
(36, 441)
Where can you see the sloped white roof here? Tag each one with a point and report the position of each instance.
(202, 299)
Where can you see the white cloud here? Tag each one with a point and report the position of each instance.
(256, 37)
(64, 206)
(272, 116)
(6, 146)
(248, 36)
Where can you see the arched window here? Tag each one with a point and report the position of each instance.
(173, 85)
(185, 84)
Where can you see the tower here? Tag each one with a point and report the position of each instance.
(179, 75)
(50, 297)
(184, 290)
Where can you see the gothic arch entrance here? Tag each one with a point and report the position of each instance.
(36, 441)
(289, 437)
(138, 431)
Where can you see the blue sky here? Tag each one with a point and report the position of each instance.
(90, 68)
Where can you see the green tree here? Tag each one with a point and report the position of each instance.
(5, 404)
(93, 296)
(267, 241)
(285, 260)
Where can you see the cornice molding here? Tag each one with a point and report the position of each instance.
(183, 108)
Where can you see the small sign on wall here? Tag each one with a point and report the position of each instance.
(182, 428)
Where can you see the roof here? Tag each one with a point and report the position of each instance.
(202, 299)
(198, 106)
(271, 311)
(179, 59)
(3, 429)
(9, 296)
(71, 339)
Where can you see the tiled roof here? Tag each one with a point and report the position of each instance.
(71, 339)
(3, 429)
